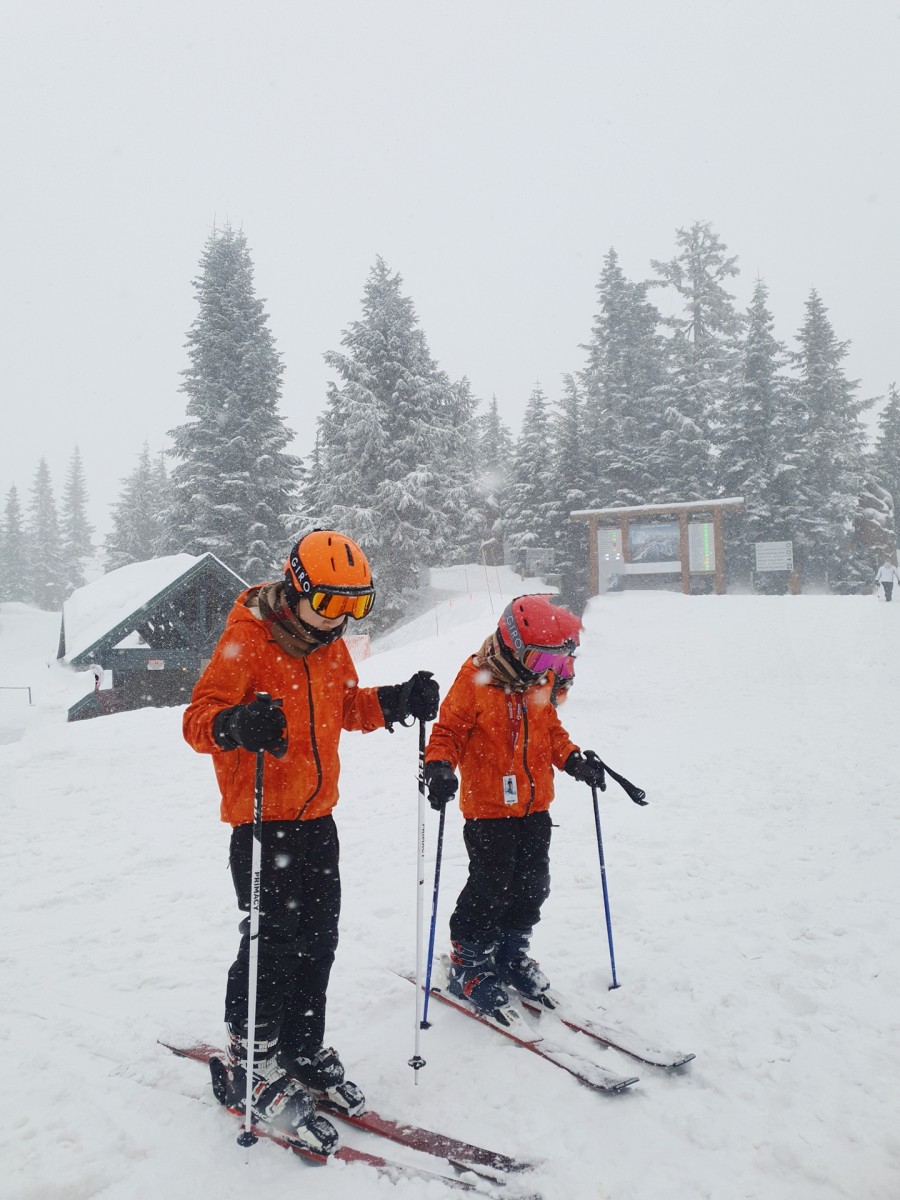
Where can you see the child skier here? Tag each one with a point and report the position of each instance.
(498, 725)
(284, 639)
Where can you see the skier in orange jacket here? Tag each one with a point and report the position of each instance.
(499, 725)
(284, 639)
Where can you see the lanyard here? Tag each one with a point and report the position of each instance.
(515, 724)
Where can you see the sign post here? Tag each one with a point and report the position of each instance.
(774, 556)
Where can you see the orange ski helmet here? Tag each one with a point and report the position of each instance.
(330, 571)
(538, 636)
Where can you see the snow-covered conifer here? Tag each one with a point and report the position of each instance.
(77, 531)
(703, 352)
(47, 575)
(15, 569)
(622, 382)
(138, 528)
(464, 506)
(573, 477)
(833, 467)
(873, 540)
(234, 486)
(760, 452)
(495, 449)
(531, 514)
(886, 458)
(385, 442)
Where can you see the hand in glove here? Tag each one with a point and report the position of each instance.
(442, 784)
(256, 726)
(586, 768)
(417, 698)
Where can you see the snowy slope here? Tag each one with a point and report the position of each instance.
(754, 909)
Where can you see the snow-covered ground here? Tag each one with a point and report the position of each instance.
(754, 908)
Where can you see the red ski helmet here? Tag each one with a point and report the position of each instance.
(538, 636)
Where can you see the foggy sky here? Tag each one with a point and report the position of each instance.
(490, 150)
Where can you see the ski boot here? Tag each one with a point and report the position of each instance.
(521, 972)
(322, 1072)
(280, 1103)
(472, 977)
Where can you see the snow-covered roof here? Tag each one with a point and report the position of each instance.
(636, 509)
(92, 611)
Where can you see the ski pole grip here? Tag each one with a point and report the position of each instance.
(281, 750)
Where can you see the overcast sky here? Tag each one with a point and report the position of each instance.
(491, 151)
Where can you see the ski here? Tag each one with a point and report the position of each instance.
(386, 1167)
(616, 1039)
(459, 1154)
(583, 1069)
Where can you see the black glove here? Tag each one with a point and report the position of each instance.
(255, 726)
(417, 698)
(586, 768)
(442, 784)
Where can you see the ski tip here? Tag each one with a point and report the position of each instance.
(625, 1084)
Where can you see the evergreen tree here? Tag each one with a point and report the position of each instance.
(14, 564)
(573, 478)
(622, 382)
(387, 444)
(761, 450)
(874, 537)
(464, 505)
(531, 512)
(833, 467)
(77, 547)
(48, 583)
(886, 458)
(312, 489)
(702, 357)
(138, 528)
(162, 507)
(234, 486)
(494, 457)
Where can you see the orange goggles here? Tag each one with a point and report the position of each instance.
(350, 603)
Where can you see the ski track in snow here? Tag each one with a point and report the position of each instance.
(753, 902)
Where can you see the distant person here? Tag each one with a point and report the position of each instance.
(498, 725)
(284, 639)
(887, 576)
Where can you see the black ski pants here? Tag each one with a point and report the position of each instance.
(888, 588)
(509, 877)
(300, 903)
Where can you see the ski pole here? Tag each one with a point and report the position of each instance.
(612, 953)
(248, 1137)
(434, 908)
(417, 1061)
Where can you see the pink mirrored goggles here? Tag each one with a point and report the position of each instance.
(558, 659)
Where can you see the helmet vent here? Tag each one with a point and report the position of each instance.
(349, 555)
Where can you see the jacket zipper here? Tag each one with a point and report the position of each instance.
(312, 738)
(525, 761)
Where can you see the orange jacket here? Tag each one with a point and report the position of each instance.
(490, 733)
(321, 697)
